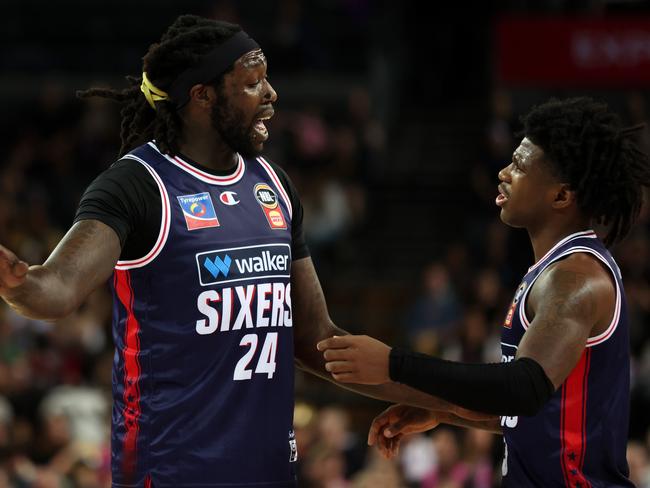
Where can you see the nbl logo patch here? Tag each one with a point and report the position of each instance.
(198, 211)
(268, 200)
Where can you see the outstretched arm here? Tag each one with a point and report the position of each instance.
(83, 260)
(571, 300)
(313, 324)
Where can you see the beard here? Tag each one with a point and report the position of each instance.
(227, 122)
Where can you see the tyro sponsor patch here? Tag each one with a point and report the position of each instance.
(198, 211)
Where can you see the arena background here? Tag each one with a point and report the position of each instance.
(392, 123)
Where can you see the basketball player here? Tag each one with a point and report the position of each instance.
(560, 397)
(214, 291)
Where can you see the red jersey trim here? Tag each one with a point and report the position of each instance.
(573, 414)
(130, 352)
(202, 175)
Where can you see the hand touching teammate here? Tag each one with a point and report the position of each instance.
(13, 271)
(356, 359)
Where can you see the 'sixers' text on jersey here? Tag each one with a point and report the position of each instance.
(579, 437)
(203, 368)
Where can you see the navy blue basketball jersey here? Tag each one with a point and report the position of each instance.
(579, 437)
(203, 370)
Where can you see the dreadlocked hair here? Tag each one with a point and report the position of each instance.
(586, 147)
(184, 43)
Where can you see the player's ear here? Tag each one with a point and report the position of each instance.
(564, 196)
(203, 95)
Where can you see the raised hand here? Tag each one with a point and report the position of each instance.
(390, 426)
(13, 271)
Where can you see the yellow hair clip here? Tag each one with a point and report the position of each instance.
(151, 93)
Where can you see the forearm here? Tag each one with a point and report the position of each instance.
(310, 359)
(517, 388)
(312, 324)
(43, 295)
(389, 392)
(83, 260)
(492, 424)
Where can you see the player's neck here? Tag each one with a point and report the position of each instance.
(208, 151)
(544, 238)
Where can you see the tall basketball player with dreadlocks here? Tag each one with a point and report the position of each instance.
(214, 291)
(561, 394)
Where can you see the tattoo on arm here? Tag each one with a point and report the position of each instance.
(565, 312)
(83, 260)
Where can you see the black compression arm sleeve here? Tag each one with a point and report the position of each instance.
(520, 387)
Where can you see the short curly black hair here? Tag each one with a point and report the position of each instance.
(586, 147)
(182, 46)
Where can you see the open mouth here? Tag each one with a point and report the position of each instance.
(502, 197)
(261, 132)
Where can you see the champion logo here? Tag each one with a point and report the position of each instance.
(218, 266)
(228, 198)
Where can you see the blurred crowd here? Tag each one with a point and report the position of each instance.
(55, 381)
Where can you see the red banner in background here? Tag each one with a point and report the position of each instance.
(558, 52)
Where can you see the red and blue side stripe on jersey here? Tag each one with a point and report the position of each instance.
(132, 370)
(573, 419)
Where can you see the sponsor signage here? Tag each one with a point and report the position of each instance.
(198, 211)
(244, 263)
(580, 52)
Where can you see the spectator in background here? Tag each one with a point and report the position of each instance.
(334, 433)
(418, 458)
(378, 472)
(432, 317)
(637, 458)
(450, 471)
(476, 341)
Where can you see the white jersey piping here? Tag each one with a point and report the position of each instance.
(591, 341)
(276, 180)
(165, 222)
(202, 175)
(587, 233)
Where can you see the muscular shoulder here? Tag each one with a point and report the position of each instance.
(127, 172)
(578, 285)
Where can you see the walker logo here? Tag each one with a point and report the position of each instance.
(244, 263)
(218, 266)
(198, 211)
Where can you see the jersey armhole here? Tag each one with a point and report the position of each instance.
(164, 222)
(609, 331)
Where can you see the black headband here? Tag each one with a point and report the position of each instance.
(210, 67)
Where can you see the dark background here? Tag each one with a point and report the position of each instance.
(391, 120)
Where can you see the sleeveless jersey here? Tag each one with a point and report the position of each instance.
(203, 369)
(579, 437)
